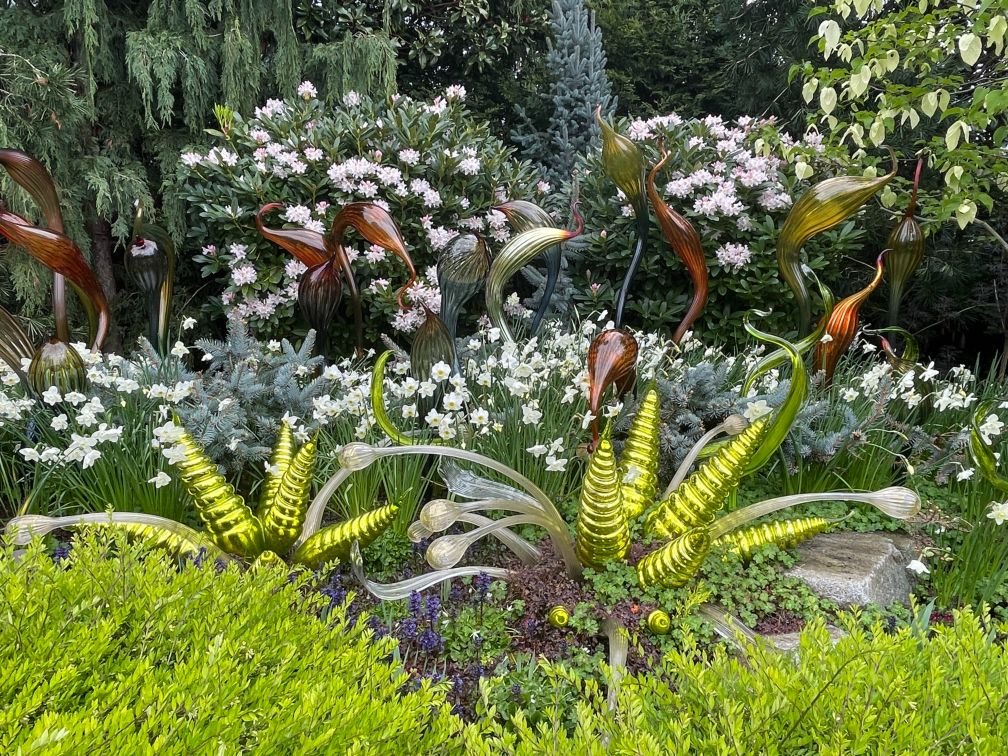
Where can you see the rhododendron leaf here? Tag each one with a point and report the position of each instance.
(58, 253)
(307, 246)
(523, 215)
(780, 424)
(33, 177)
(612, 361)
(906, 250)
(161, 316)
(374, 223)
(685, 242)
(842, 325)
(515, 254)
(462, 269)
(822, 207)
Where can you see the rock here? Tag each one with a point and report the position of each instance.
(789, 641)
(855, 568)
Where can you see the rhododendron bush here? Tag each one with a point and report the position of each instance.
(735, 182)
(434, 169)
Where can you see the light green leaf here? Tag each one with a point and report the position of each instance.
(830, 32)
(808, 91)
(996, 32)
(944, 98)
(970, 48)
(952, 136)
(859, 81)
(877, 132)
(966, 213)
(929, 104)
(827, 99)
(802, 170)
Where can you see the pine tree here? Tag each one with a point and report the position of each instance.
(578, 84)
(106, 93)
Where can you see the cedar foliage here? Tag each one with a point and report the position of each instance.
(106, 93)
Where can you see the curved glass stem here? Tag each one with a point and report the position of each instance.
(895, 501)
(402, 589)
(727, 626)
(22, 529)
(440, 514)
(619, 648)
(557, 528)
(521, 548)
(446, 551)
(313, 517)
(687, 463)
(468, 485)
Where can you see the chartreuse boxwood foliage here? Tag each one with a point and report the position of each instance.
(115, 650)
(910, 692)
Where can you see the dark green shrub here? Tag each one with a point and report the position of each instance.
(909, 692)
(128, 654)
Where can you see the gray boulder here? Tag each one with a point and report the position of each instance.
(856, 568)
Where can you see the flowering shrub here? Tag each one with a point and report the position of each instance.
(735, 184)
(435, 170)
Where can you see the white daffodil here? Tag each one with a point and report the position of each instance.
(998, 512)
(160, 480)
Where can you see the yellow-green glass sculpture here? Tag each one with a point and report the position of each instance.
(703, 493)
(283, 453)
(284, 516)
(558, 616)
(603, 534)
(231, 523)
(676, 562)
(659, 622)
(638, 465)
(782, 533)
(232, 530)
(177, 545)
(333, 543)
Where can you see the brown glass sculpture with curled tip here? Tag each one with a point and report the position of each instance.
(58, 253)
(824, 206)
(376, 226)
(33, 177)
(906, 250)
(319, 294)
(313, 249)
(612, 361)
(842, 325)
(685, 242)
(307, 246)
